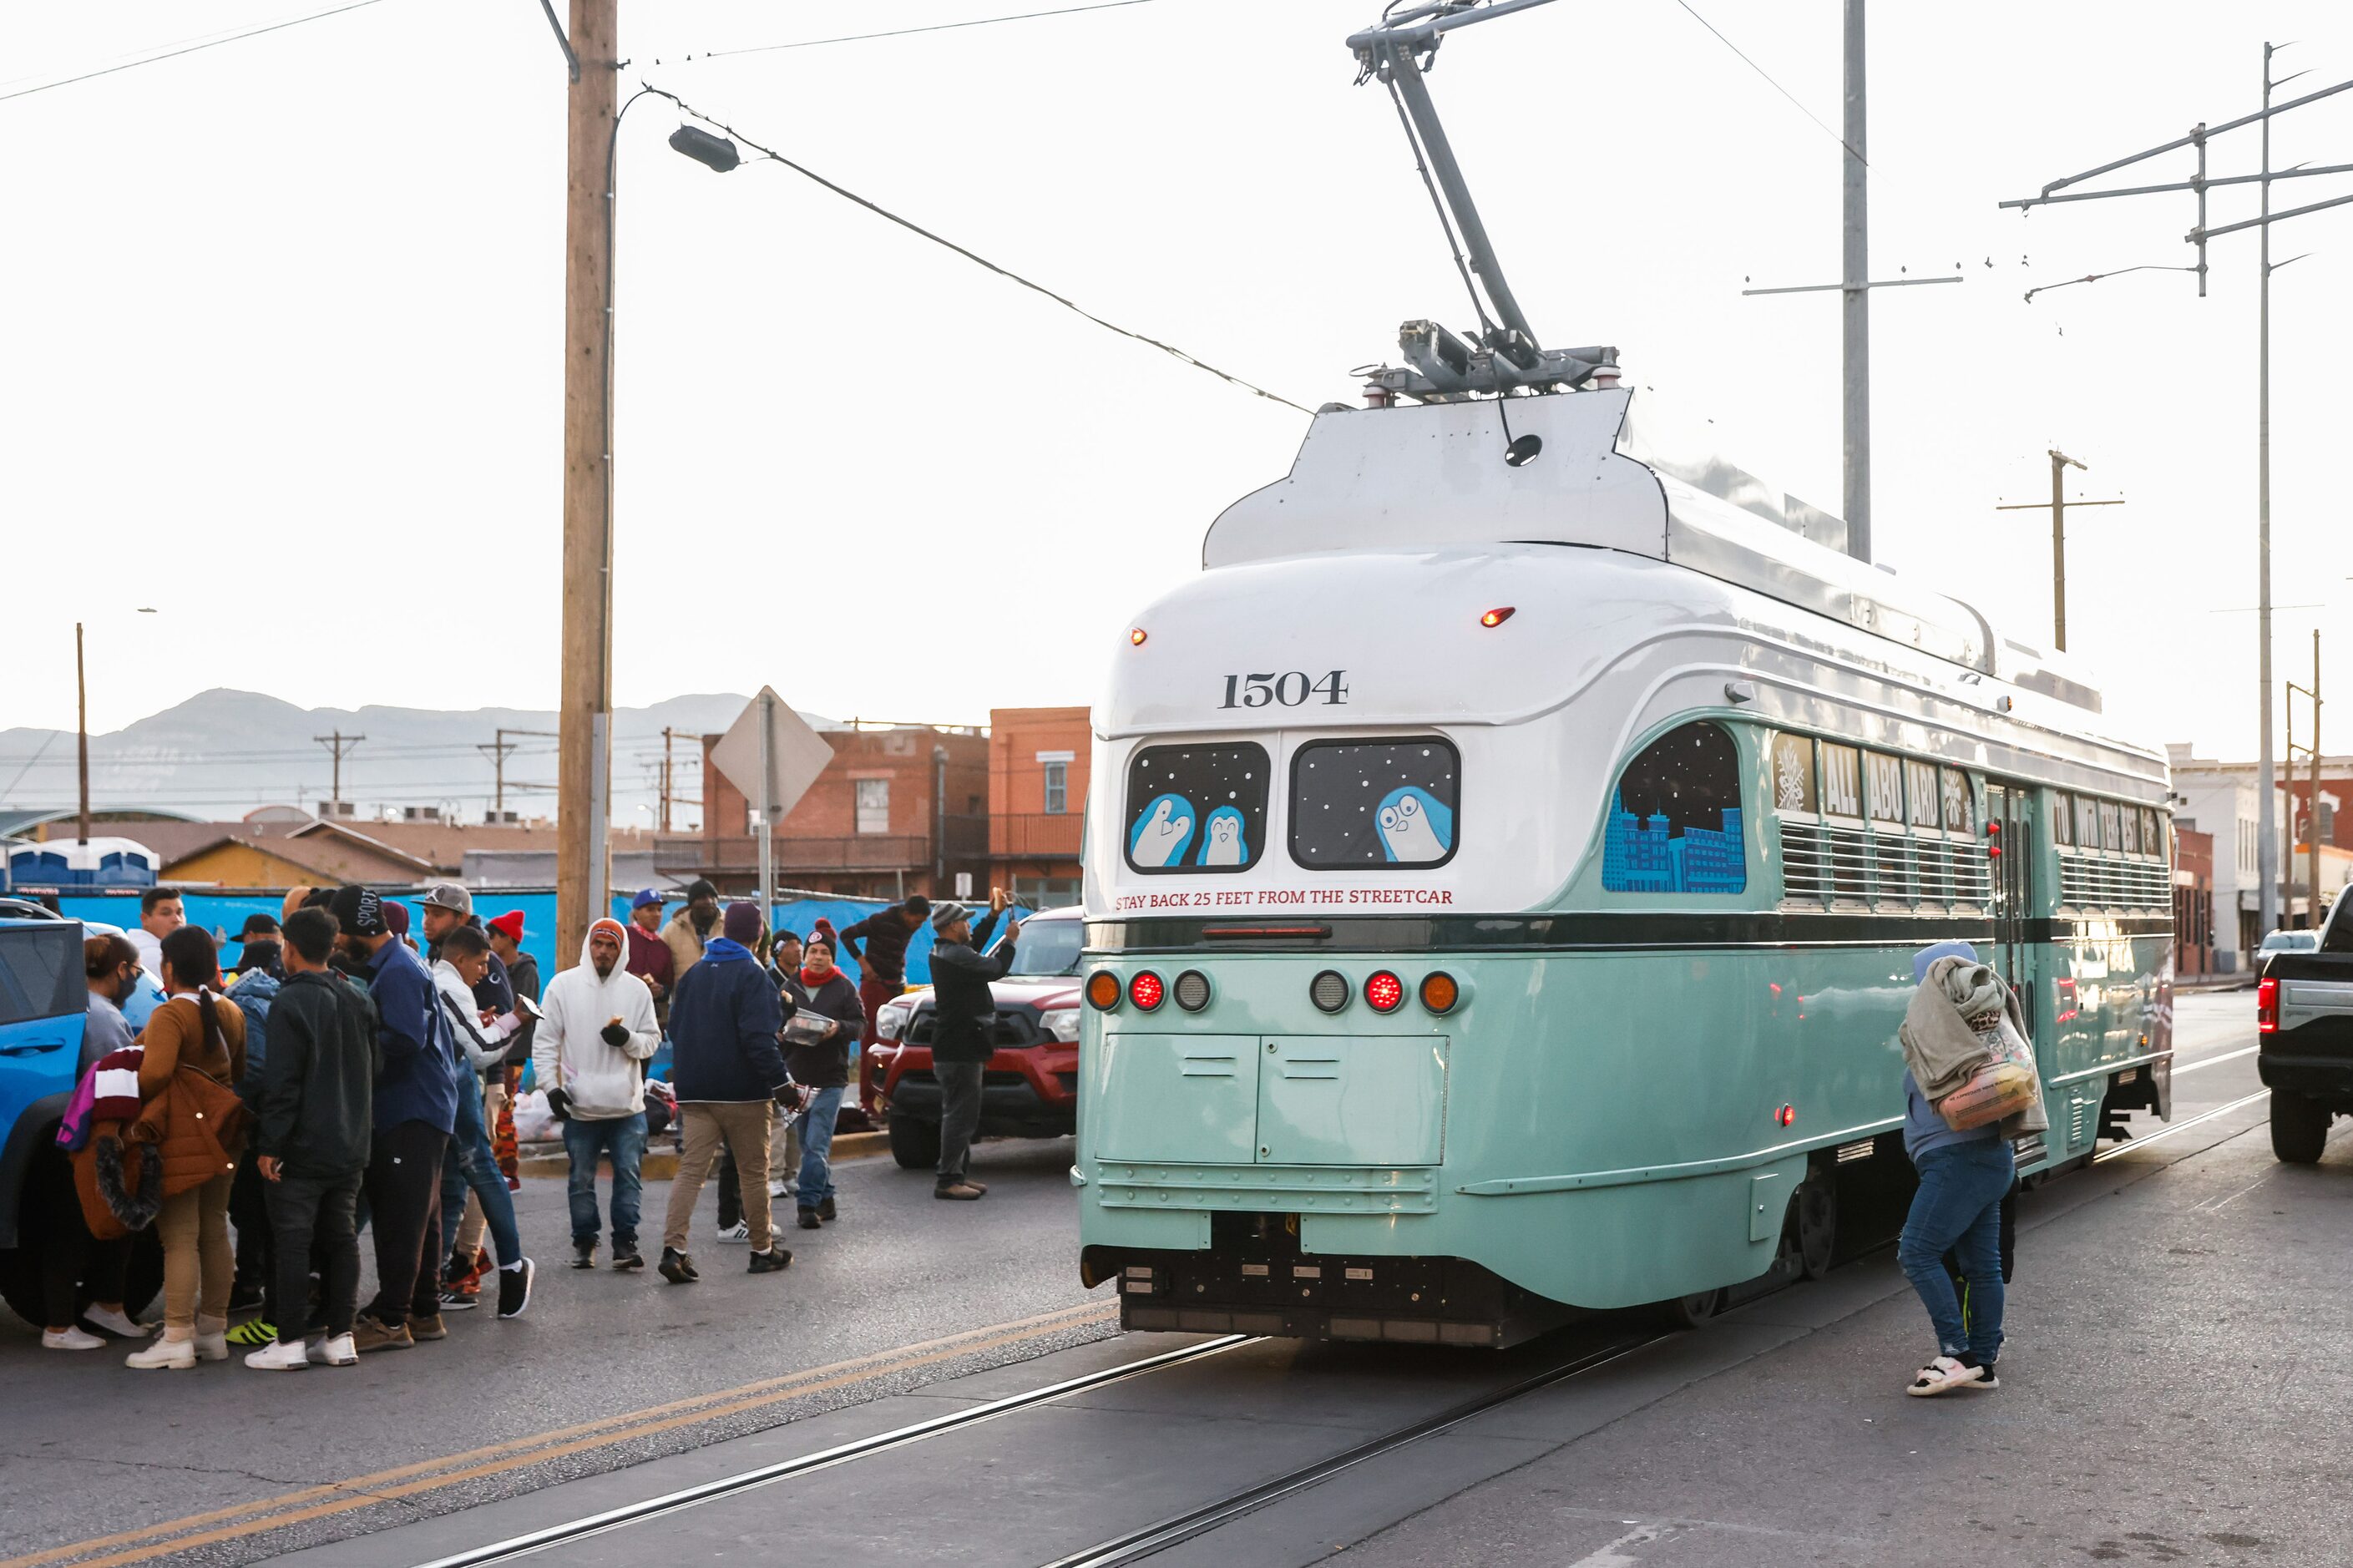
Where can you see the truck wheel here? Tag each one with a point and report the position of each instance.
(914, 1142)
(2299, 1127)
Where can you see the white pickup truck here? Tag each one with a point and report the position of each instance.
(2304, 1022)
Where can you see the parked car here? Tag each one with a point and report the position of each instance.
(2289, 942)
(1031, 1089)
(2303, 1022)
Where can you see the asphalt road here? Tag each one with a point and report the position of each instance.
(2162, 1328)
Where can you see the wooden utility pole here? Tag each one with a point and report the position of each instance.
(665, 778)
(584, 759)
(2060, 463)
(338, 744)
(81, 729)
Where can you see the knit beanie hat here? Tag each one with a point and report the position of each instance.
(358, 912)
(741, 923)
(947, 914)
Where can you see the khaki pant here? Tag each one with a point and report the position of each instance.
(470, 1229)
(194, 1229)
(743, 1126)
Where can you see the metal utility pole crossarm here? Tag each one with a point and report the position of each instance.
(2058, 503)
(2267, 849)
(338, 744)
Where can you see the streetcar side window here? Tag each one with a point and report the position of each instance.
(2087, 823)
(1197, 809)
(1960, 802)
(1674, 818)
(2062, 820)
(1361, 804)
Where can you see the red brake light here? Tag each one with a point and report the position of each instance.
(1145, 989)
(2268, 1006)
(1787, 1116)
(1384, 992)
(1496, 617)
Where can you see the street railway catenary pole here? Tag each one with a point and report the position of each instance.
(2058, 503)
(584, 748)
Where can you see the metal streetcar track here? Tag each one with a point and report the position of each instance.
(2144, 1141)
(826, 1459)
(1167, 1532)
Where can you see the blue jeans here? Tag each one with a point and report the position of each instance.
(815, 1124)
(623, 1137)
(1959, 1209)
(469, 1162)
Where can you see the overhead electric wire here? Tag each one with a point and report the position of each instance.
(908, 32)
(772, 156)
(191, 48)
(1776, 86)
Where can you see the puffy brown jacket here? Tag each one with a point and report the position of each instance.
(198, 1124)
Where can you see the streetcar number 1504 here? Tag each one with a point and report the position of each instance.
(1291, 689)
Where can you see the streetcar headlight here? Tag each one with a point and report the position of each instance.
(1102, 990)
(1145, 989)
(1328, 990)
(1438, 991)
(1192, 989)
(1384, 992)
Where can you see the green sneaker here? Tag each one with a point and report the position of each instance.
(253, 1331)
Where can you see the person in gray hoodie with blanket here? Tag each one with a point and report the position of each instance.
(1950, 1034)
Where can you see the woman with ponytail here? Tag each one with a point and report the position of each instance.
(195, 1027)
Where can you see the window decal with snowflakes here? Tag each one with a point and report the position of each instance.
(1674, 819)
(1199, 808)
(1365, 805)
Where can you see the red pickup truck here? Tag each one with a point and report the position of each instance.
(1031, 1087)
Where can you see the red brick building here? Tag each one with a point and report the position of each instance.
(1036, 801)
(899, 810)
(2193, 902)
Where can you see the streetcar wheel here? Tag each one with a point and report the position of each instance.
(2299, 1127)
(914, 1142)
(1816, 1205)
(1688, 1311)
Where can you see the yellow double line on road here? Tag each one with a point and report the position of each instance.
(433, 1475)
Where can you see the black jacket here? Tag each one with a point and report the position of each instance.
(523, 975)
(963, 1013)
(724, 1019)
(884, 957)
(315, 1106)
(826, 1065)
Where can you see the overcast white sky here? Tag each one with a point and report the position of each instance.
(284, 357)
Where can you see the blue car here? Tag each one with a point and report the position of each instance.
(44, 1002)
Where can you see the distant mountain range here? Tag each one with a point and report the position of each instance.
(223, 753)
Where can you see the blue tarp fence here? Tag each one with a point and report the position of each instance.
(224, 914)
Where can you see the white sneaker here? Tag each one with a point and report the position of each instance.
(117, 1323)
(70, 1338)
(212, 1347)
(739, 1231)
(165, 1355)
(285, 1355)
(321, 1350)
(781, 1189)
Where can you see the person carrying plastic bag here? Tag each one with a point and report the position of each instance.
(1970, 1086)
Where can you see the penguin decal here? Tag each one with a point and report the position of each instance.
(1224, 843)
(1161, 834)
(1417, 829)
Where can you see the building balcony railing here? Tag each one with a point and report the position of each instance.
(1036, 836)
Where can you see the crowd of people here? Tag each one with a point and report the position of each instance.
(349, 1078)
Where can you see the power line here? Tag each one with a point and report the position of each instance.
(1776, 86)
(772, 156)
(906, 32)
(191, 48)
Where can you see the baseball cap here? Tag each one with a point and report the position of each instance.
(257, 925)
(645, 896)
(450, 896)
(510, 923)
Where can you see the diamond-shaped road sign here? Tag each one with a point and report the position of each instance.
(797, 753)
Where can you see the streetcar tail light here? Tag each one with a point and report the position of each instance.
(1192, 989)
(1102, 990)
(1787, 1116)
(2268, 1006)
(1496, 617)
(1438, 991)
(1384, 992)
(1145, 989)
(1328, 990)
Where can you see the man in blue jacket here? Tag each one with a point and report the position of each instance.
(724, 1018)
(416, 1104)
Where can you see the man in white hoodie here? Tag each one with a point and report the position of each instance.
(589, 1055)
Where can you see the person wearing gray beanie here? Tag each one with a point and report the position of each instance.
(964, 1015)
